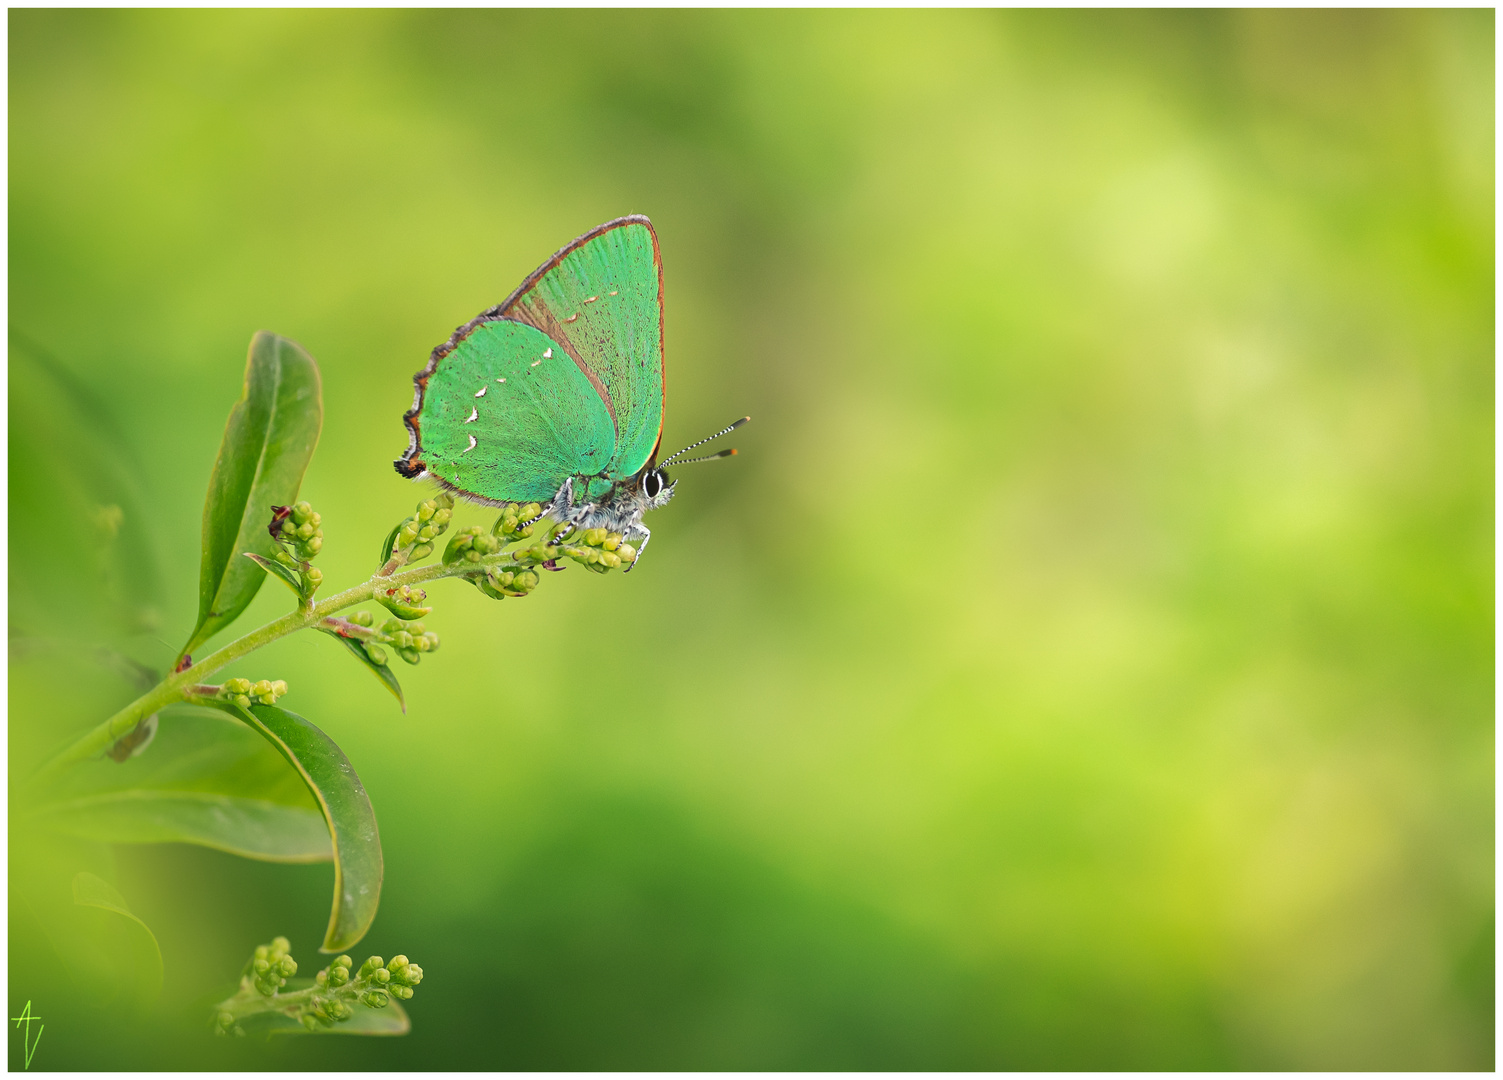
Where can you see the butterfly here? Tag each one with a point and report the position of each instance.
(555, 395)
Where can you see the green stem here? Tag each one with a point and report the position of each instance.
(174, 687)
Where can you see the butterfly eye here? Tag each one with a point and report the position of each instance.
(654, 483)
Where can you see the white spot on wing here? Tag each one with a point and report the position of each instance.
(548, 353)
(614, 291)
(467, 449)
(571, 318)
(474, 414)
(480, 392)
(501, 379)
(592, 299)
(535, 363)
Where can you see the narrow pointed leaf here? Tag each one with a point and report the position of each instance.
(391, 1020)
(209, 780)
(132, 946)
(347, 812)
(286, 574)
(252, 828)
(390, 543)
(381, 671)
(268, 442)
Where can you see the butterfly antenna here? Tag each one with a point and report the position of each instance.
(708, 457)
(691, 446)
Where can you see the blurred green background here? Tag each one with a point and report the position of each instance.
(1087, 663)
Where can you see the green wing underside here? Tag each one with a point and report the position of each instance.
(543, 423)
(602, 301)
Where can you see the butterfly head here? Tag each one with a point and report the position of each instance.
(656, 488)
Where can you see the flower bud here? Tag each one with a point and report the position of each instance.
(425, 511)
(243, 701)
(375, 652)
(376, 999)
(339, 974)
(403, 992)
(370, 965)
(309, 1021)
(288, 967)
(314, 576)
(302, 511)
(260, 966)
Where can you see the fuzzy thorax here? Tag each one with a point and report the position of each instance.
(620, 510)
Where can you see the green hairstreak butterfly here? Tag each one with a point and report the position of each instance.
(555, 395)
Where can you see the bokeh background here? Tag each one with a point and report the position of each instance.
(1088, 662)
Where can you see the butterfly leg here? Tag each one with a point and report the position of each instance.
(646, 536)
(562, 506)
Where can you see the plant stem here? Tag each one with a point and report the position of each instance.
(173, 687)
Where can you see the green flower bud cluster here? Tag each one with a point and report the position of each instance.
(373, 986)
(332, 998)
(599, 550)
(404, 602)
(271, 966)
(414, 537)
(509, 525)
(471, 545)
(410, 639)
(299, 530)
(499, 582)
(245, 693)
(296, 529)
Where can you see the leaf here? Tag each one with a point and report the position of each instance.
(209, 781)
(391, 1020)
(390, 543)
(69, 453)
(288, 575)
(134, 955)
(347, 812)
(268, 442)
(253, 828)
(381, 671)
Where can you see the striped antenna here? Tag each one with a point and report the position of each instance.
(691, 446)
(708, 457)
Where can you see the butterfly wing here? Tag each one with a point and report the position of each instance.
(504, 415)
(601, 299)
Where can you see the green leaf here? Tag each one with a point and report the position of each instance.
(289, 576)
(267, 445)
(390, 543)
(209, 781)
(253, 828)
(69, 453)
(392, 1020)
(133, 953)
(381, 671)
(347, 812)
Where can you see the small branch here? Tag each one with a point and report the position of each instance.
(176, 686)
